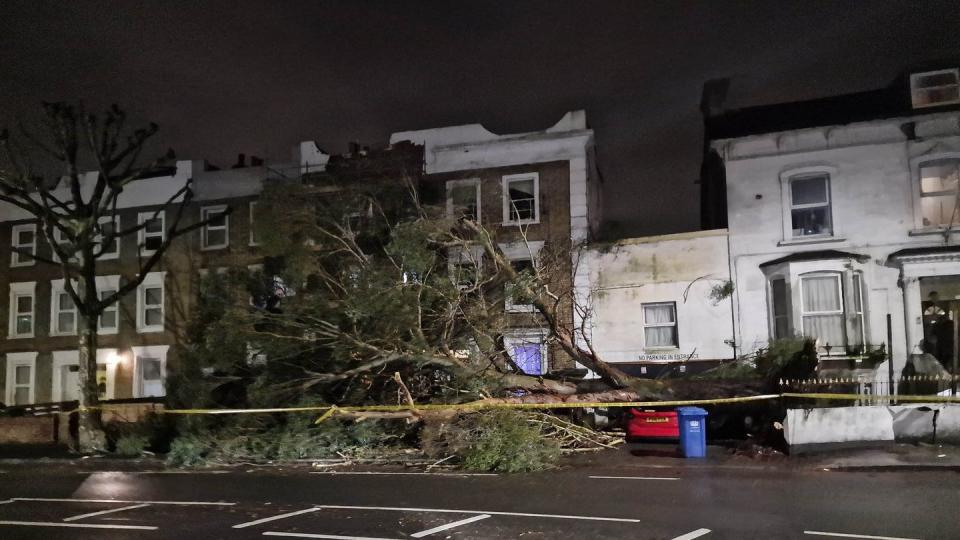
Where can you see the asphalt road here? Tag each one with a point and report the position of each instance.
(59, 502)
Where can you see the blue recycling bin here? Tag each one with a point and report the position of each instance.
(693, 431)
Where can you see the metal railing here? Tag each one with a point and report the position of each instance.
(873, 391)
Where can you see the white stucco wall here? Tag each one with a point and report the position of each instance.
(679, 268)
(874, 180)
(872, 423)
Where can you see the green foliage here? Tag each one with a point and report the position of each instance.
(503, 441)
(793, 357)
(189, 451)
(132, 444)
(721, 292)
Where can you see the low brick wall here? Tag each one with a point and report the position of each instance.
(28, 430)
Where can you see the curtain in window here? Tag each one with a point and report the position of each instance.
(821, 295)
(659, 336)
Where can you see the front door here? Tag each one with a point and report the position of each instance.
(69, 382)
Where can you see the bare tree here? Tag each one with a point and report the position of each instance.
(69, 216)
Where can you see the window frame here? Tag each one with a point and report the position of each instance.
(451, 185)
(15, 261)
(116, 241)
(14, 360)
(456, 257)
(104, 284)
(531, 336)
(916, 91)
(511, 178)
(58, 287)
(253, 236)
(17, 290)
(786, 201)
(520, 251)
(916, 168)
(771, 306)
(154, 352)
(841, 301)
(152, 280)
(675, 325)
(205, 211)
(142, 233)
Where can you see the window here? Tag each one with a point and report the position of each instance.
(254, 238)
(465, 266)
(25, 239)
(514, 302)
(64, 243)
(528, 351)
(463, 199)
(939, 184)
(781, 308)
(109, 319)
(660, 325)
(63, 312)
(521, 199)
(935, 88)
(822, 310)
(21, 370)
(150, 303)
(215, 234)
(857, 324)
(152, 231)
(109, 226)
(150, 371)
(22, 300)
(810, 213)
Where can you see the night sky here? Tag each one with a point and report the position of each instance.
(257, 77)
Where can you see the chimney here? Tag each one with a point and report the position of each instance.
(714, 96)
(241, 161)
(256, 162)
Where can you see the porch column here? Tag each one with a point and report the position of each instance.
(912, 319)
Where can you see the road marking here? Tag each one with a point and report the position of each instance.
(634, 477)
(693, 534)
(8, 501)
(187, 503)
(492, 513)
(846, 535)
(91, 514)
(274, 518)
(441, 528)
(401, 473)
(77, 525)
(327, 536)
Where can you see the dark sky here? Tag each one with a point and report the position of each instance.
(257, 77)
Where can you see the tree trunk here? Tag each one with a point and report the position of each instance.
(91, 437)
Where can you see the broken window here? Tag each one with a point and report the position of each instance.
(660, 325)
(810, 213)
(939, 183)
(521, 198)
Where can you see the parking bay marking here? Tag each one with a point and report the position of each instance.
(274, 518)
(490, 512)
(847, 535)
(325, 536)
(77, 525)
(441, 528)
(634, 478)
(693, 534)
(111, 511)
(377, 473)
(115, 501)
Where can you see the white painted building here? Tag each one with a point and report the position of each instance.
(841, 211)
(660, 300)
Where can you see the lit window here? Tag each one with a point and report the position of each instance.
(254, 238)
(660, 325)
(150, 310)
(25, 240)
(463, 199)
(152, 231)
(63, 312)
(21, 369)
(521, 194)
(822, 310)
(22, 301)
(939, 183)
(935, 88)
(810, 205)
(528, 352)
(109, 226)
(215, 234)
(150, 370)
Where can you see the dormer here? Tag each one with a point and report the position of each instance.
(935, 88)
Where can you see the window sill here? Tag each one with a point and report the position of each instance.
(151, 330)
(812, 240)
(22, 336)
(930, 231)
(520, 309)
(63, 334)
(21, 265)
(214, 248)
(520, 223)
(108, 332)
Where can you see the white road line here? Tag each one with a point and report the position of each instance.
(693, 534)
(186, 503)
(327, 536)
(8, 501)
(442, 528)
(77, 525)
(400, 473)
(634, 478)
(846, 535)
(91, 514)
(274, 518)
(492, 513)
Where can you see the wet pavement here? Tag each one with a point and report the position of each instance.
(597, 500)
